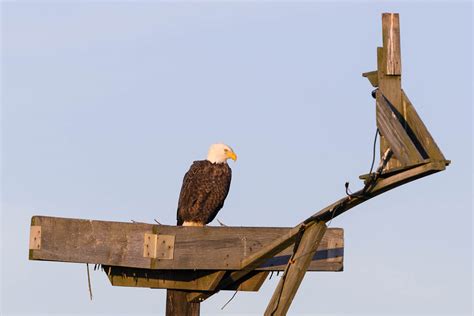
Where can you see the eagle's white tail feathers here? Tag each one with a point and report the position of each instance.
(192, 224)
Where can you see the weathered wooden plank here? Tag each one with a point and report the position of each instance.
(296, 269)
(87, 241)
(199, 280)
(391, 172)
(190, 280)
(391, 43)
(203, 248)
(420, 130)
(409, 175)
(396, 135)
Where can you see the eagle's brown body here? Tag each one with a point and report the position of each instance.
(205, 187)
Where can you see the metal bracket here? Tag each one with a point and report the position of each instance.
(158, 246)
(35, 237)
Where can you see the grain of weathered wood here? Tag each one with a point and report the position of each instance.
(87, 241)
(391, 43)
(296, 269)
(396, 135)
(420, 130)
(204, 248)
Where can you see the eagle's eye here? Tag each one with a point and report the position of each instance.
(226, 150)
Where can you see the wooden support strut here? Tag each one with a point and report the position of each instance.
(178, 305)
(295, 271)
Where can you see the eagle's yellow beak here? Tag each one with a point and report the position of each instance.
(231, 155)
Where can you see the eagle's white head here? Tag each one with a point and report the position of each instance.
(219, 153)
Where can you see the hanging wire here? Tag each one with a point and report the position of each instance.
(235, 293)
(374, 148)
(89, 281)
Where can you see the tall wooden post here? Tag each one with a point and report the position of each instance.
(177, 304)
(389, 73)
(296, 269)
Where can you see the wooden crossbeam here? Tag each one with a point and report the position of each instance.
(194, 248)
(190, 280)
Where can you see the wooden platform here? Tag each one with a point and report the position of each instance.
(194, 248)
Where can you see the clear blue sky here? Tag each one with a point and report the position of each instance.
(106, 104)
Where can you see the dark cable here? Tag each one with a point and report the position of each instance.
(348, 192)
(373, 150)
(235, 293)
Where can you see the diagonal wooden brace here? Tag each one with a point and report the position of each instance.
(295, 270)
(402, 145)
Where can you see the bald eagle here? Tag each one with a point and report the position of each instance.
(205, 187)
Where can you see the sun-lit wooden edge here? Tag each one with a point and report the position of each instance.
(391, 43)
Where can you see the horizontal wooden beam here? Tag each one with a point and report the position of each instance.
(190, 280)
(190, 248)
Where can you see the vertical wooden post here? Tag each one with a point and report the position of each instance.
(295, 271)
(177, 304)
(390, 71)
